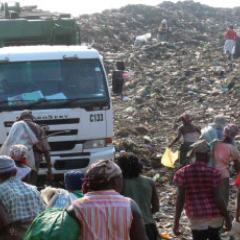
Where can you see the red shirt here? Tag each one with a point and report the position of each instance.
(198, 180)
(230, 34)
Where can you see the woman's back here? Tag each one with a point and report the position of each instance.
(21, 201)
(140, 190)
(190, 132)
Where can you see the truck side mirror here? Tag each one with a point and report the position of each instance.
(117, 81)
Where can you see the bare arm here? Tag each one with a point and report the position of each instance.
(198, 130)
(179, 208)
(49, 165)
(48, 160)
(177, 138)
(137, 230)
(221, 205)
(3, 216)
(155, 200)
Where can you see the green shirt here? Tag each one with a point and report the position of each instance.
(140, 190)
(78, 193)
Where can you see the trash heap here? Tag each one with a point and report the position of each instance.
(189, 73)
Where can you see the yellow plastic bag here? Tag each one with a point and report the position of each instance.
(169, 158)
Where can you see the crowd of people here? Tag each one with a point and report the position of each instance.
(113, 199)
(203, 178)
(111, 202)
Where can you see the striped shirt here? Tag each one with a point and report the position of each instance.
(21, 201)
(104, 215)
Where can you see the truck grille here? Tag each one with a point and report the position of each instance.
(70, 132)
(50, 122)
(71, 164)
(64, 146)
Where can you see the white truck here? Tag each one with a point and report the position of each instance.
(66, 88)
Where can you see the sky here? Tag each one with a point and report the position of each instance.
(77, 7)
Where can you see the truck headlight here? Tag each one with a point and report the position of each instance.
(95, 143)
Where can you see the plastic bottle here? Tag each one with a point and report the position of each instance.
(156, 177)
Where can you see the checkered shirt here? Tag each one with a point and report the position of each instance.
(21, 201)
(198, 180)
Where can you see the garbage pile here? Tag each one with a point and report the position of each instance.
(189, 73)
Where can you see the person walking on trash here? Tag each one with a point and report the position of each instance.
(215, 130)
(141, 189)
(24, 131)
(199, 194)
(231, 38)
(163, 32)
(190, 134)
(222, 153)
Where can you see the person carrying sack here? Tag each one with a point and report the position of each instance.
(25, 131)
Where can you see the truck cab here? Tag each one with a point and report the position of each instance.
(66, 88)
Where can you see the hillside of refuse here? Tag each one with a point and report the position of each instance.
(189, 73)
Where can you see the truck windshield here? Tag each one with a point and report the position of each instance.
(48, 84)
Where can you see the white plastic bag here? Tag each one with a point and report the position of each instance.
(141, 40)
(57, 197)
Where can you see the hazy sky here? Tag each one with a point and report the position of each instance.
(76, 7)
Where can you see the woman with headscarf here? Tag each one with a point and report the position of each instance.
(190, 134)
(18, 153)
(223, 152)
(20, 203)
(163, 32)
(115, 216)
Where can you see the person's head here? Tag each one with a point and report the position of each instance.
(164, 22)
(18, 152)
(219, 121)
(202, 151)
(103, 175)
(7, 168)
(230, 132)
(186, 118)
(74, 180)
(130, 165)
(26, 114)
(231, 27)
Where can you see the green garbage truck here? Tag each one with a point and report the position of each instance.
(30, 26)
